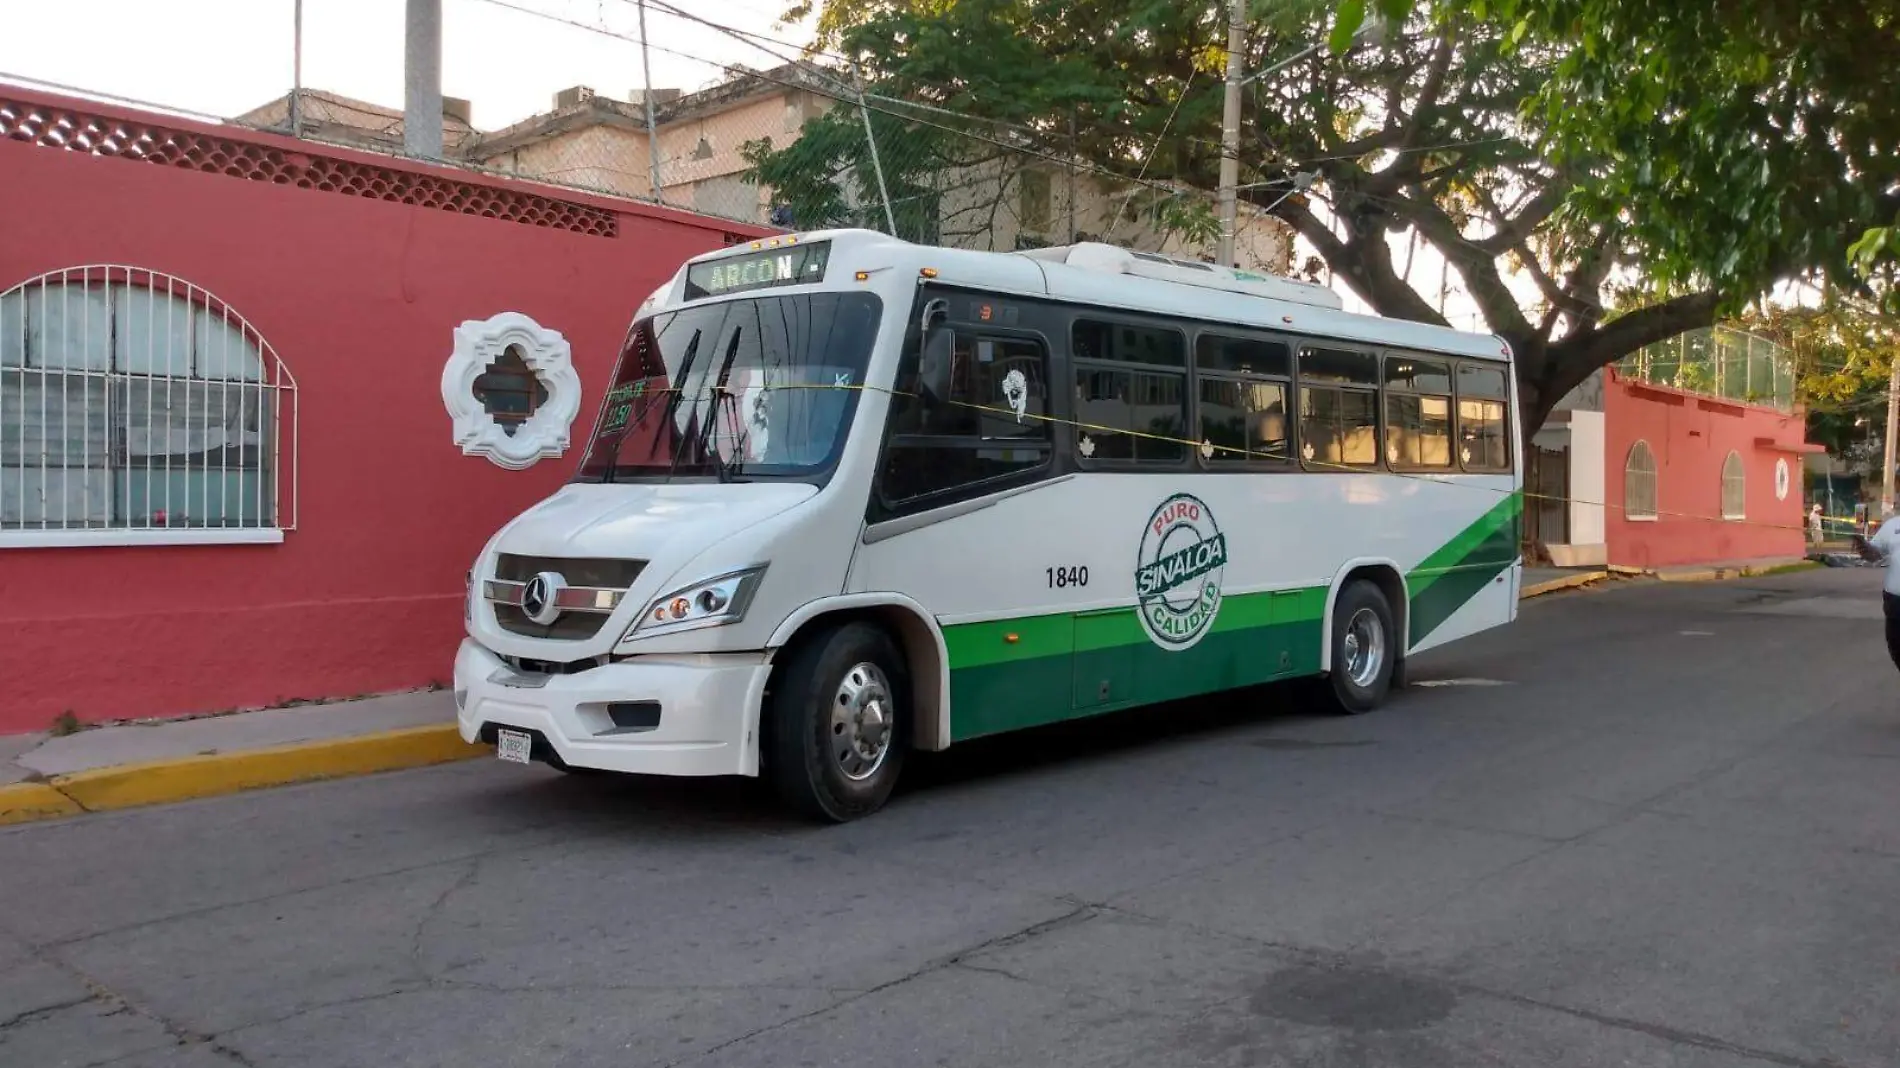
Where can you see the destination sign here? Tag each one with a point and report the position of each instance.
(787, 266)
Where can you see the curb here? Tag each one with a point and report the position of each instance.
(1695, 574)
(188, 778)
(1538, 589)
(24, 802)
(1723, 574)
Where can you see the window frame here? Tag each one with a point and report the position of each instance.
(274, 385)
(1654, 474)
(1505, 401)
(1075, 365)
(1377, 390)
(1740, 478)
(880, 508)
(1288, 383)
(1387, 392)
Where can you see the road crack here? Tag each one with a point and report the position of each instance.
(1080, 913)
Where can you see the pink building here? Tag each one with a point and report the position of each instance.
(1687, 453)
(227, 475)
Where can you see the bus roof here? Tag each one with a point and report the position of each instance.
(1113, 278)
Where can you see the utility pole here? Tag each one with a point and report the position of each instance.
(1371, 30)
(296, 69)
(1893, 431)
(1230, 131)
(422, 80)
(653, 131)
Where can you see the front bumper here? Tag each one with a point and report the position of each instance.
(708, 722)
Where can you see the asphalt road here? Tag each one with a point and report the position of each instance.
(1648, 826)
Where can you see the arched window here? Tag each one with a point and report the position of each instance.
(1639, 483)
(136, 408)
(1734, 488)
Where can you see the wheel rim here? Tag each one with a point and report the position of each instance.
(1365, 647)
(861, 722)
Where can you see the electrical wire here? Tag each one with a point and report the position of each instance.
(1080, 165)
(1208, 449)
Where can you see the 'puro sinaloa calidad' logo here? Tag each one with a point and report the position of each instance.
(1178, 572)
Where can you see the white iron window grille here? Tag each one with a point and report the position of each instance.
(1639, 483)
(136, 408)
(1734, 487)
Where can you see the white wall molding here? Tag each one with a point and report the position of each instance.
(546, 433)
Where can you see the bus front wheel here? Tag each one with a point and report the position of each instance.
(839, 723)
(1364, 653)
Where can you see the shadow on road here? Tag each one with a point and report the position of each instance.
(749, 806)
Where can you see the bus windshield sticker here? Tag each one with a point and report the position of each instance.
(1178, 572)
(1016, 392)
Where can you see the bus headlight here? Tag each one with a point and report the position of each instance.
(711, 603)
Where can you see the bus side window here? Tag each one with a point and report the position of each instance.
(1484, 436)
(993, 424)
(1339, 409)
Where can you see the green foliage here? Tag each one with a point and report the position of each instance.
(1746, 142)
(1844, 351)
(1565, 144)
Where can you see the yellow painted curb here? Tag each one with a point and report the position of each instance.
(1701, 574)
(24, 802)
(130, 785)
(1538, 589)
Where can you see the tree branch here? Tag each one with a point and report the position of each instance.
(1478, 268)
(1569, 361)
(1364, 261)
(1516, 228)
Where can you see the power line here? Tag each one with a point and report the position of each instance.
(853, 100)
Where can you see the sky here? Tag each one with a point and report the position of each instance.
(224, 57)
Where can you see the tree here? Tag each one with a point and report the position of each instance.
(1760, 139)
(1844, 349)
(1426, 136)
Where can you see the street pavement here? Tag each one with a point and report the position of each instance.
(1646, 826)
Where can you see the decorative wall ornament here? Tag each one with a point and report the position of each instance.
(515, 419)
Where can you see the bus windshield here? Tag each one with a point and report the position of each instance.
(758, 387)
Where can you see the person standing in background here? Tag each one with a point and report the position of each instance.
(1880, 548)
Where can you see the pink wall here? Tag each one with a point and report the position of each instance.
(359, 297)
(1691, 436)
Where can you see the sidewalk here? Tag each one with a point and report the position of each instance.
(1542, 580)
(105, 768)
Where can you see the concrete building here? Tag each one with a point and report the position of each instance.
(1688, 452)
(599, 143)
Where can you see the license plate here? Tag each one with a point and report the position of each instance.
(514, 746)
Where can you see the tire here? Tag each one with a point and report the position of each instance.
(843, 695)
(1362, 626)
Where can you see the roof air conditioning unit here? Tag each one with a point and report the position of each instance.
(1095, 256)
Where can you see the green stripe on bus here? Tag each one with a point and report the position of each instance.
(997, 685)
(1059, 665)
(1450, 577)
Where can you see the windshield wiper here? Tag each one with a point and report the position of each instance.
(679, 393)
(721, 396)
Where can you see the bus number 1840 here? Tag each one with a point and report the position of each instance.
(1064, 577)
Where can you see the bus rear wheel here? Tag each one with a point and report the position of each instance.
(839, 723)
(1365, 656)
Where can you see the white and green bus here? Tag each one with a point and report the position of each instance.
(847, 497)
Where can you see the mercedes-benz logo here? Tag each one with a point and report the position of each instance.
(540, 598)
